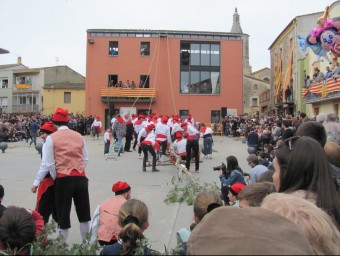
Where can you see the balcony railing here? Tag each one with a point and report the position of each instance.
(25, 108)
(127, 94)
(329, 89)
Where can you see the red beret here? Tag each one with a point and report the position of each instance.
(164, 119)
(48, 128)
(186, 135)
(120, 187)
(60, 115)
(150, 127)
(184, 124)
(236, 188)
(178, 134)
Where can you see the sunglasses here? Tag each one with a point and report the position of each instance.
(289, 142)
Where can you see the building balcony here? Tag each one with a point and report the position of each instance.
(322, 91)
(25, 108)
(120, 95)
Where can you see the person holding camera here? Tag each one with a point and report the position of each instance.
(229, 175)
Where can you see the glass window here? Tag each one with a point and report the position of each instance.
(183, 114)
(255, 86)
(144, 81)
(145, 48)
(113, 48)
(205, 54)
(3, 102)
(67, 97)
(215, 116)
(215, 83)
(215, 55)
(113, 80)
(4, 83)
(184, 82)
(200, 68)
(254, 102)
(195, 54)
(22, 100)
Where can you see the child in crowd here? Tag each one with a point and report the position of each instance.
(107, 141)
(253, 194)
(19, 227)
(234, 190)
(204, 203)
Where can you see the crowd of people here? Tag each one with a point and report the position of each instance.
(331, 72)
(294, 189)
(15, 128)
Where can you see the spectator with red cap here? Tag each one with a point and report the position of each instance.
(66, 157)
(149, 144)
(192, 144)
(45, 181)
(234, 190)
(105, 227)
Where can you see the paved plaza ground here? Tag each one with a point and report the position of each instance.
(20, 163)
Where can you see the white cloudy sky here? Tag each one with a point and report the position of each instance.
(53, 32)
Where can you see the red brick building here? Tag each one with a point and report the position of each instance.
(180, 72)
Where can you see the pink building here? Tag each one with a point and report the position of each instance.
(180, 72)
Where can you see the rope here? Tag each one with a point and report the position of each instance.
(148, 75)
(172, 91)
(155, 84)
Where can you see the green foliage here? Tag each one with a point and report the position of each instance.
(56, 245)
(185, 189)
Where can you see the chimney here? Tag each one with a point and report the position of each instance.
(19, 60)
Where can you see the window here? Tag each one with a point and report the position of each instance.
(200, 68)
(23, 80)
(183, 114)
(145, 48)
(143, 111)
(254, 102)
(113, 48)
(113, 80)
(67, 97)
(3, 102)
(215, 116)
(255, 86)
(144, 81)
(4, 83)
(22, 100)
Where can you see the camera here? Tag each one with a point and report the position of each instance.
(222, 166)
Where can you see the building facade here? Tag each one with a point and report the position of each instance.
(285, 54)
(22, 89)
(175, 72)
(255, 85)
(292, 64)
(321, 97)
